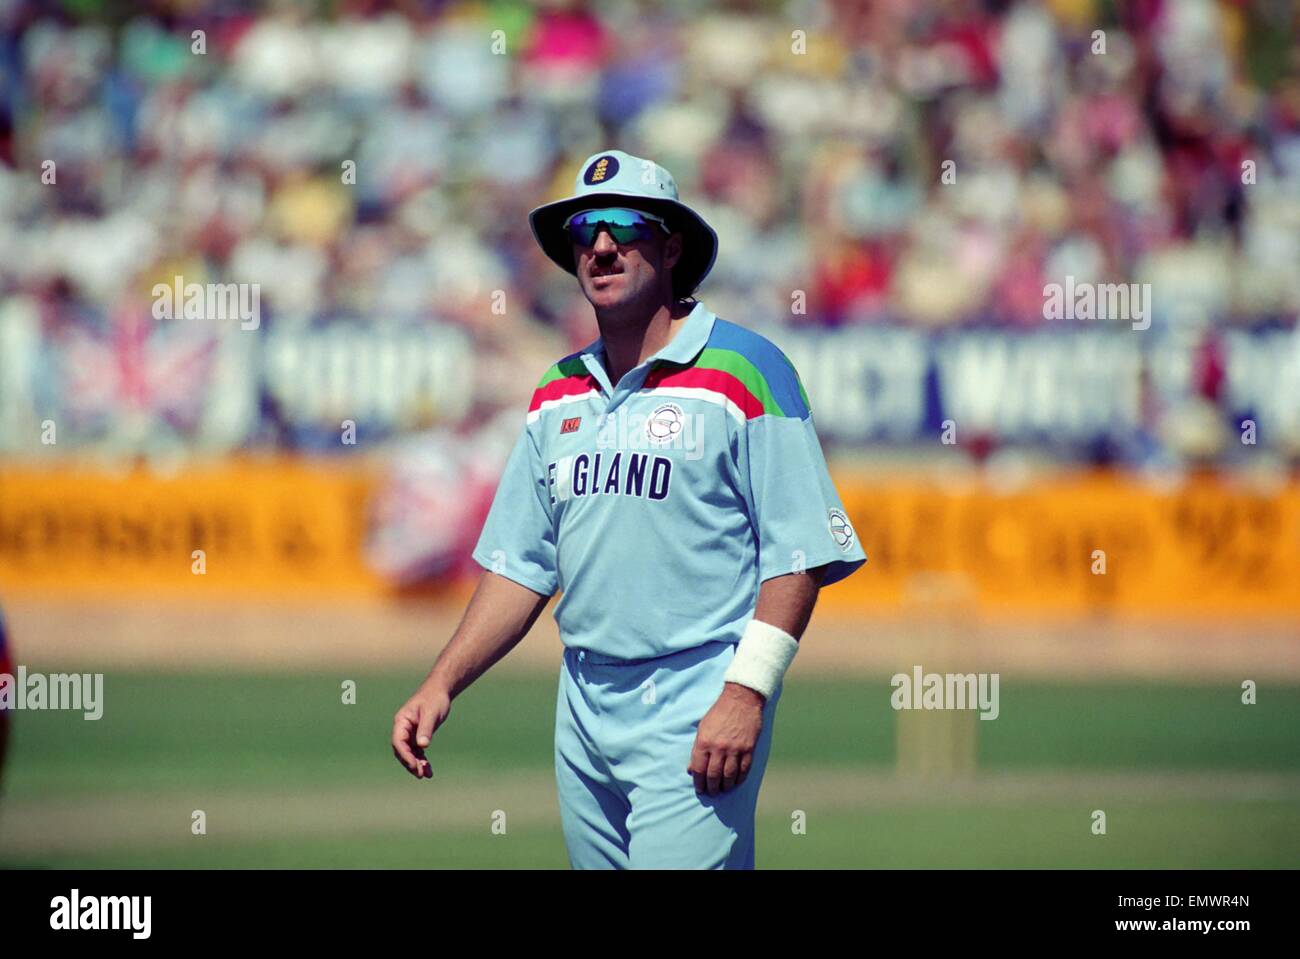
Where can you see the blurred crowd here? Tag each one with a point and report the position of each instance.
(924, 164)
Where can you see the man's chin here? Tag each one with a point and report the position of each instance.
(607, 297)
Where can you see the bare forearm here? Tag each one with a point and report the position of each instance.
(787, 602)
(499, 615)
(725, 741)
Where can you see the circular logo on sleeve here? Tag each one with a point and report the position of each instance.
(841, 529)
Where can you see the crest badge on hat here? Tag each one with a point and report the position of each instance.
(614, 178)
(601, 170)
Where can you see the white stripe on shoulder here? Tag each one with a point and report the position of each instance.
(699, 393)
(534, 415)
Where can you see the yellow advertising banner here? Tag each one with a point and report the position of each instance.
(257, 527)
(1069, 544)
(1074, 544)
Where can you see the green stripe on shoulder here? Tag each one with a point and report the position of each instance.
(569, 366)
(730, 361)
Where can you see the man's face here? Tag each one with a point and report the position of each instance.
(619, 274)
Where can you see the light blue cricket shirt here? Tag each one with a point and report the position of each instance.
(659, 505)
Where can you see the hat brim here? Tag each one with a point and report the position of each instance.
(699, 241)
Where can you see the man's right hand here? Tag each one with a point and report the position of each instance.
(499, 614)
(414, 726)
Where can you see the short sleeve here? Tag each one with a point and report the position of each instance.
(518, 538)
(797, 513)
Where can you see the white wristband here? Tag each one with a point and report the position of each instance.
(761, 659)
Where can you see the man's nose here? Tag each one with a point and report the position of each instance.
(604, 244)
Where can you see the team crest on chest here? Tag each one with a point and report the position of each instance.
(664, 425)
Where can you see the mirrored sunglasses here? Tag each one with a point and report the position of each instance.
(625, 226)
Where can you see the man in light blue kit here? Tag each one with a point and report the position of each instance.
(669, 482)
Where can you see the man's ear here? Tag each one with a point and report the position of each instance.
(672, 251)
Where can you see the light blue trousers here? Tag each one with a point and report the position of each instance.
(624, 730)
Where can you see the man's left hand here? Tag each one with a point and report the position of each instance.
(724, 743)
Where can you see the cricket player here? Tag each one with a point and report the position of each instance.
(669, 483)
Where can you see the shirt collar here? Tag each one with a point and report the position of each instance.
(685, 345)
(690, 339)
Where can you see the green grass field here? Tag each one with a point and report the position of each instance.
(288, 776)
